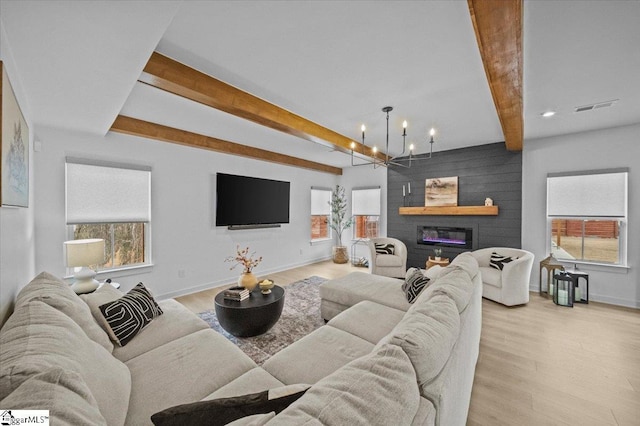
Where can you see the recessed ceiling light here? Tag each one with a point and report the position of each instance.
(548, 114)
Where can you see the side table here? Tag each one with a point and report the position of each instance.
(252, 316)
(432, 262)
(550, 264)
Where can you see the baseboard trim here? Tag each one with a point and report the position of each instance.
(604, 299)
(227, 281)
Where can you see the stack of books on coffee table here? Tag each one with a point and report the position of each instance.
(236, 293)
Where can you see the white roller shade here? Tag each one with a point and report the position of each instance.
(594, 194)
(320, 199)
(101, 192)
(365, 202)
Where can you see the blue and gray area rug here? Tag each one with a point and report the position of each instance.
(300, 316)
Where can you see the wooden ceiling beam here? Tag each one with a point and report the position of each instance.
(498, 28)
(146, 129)
(172, 76)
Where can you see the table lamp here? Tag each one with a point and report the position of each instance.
(84, 253)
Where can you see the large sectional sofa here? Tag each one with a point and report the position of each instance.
(378, 360)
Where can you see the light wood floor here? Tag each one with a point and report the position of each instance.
(539, 364)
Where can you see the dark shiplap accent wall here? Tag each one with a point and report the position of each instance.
(483, 171)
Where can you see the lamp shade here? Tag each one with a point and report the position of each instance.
(84, 252)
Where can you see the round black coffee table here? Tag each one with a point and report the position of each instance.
(253, 316)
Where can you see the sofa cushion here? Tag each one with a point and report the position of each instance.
(326, 349)
(56, 293)
(385, 260)
(491, 276)
(125, 317)
(224, 410)
(368, 320)
(415, 281)
(359, 286)
(458, 286)
(376, 389)
(175, 322)
(427, 333)
(254, 380)
(63, 393)
(182, 371)
(38, 337)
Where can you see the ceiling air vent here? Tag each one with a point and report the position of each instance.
(598, 105)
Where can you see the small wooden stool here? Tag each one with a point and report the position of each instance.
(432, 262)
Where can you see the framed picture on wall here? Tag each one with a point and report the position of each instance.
(14, 137)
(441, 192)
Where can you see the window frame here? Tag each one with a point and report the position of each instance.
(622, 242)
(145, 220)
(355, 216)
(621, 215)
(329, 236)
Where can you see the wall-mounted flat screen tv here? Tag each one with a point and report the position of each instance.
(247, 201)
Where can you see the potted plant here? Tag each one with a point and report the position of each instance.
(339, 223)
(242, 257)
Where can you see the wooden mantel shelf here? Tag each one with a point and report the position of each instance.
(451, 211)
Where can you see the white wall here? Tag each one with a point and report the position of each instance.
(16, 224)
(359, 177)
(183, 234)
(602, 149)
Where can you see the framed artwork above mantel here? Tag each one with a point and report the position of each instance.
(14, 138)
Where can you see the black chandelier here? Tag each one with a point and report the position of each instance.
(399, 160)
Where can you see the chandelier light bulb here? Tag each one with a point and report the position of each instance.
(432, 132)
(411, 147)
(404, 124)
(375, 149)
(363, 128)
(353, 145)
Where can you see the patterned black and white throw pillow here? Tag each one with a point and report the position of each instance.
(382, 248)
(498, 261)
(128, 315)
(414, 283)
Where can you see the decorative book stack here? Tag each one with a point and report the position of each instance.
(236, 293)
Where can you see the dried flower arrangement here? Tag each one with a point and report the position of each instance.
(245, 259)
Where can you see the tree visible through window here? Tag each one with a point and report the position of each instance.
(124, 242)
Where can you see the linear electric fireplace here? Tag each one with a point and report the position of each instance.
(446, 236)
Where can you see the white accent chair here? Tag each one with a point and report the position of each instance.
(511, 285)
(388, 265)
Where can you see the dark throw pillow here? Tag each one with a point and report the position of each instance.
(128, 315)
(414, 283)
(382, 248)
(226, 410)
(498, 261)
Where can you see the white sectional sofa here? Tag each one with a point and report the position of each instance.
(371, 364)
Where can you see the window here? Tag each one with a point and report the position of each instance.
(365, 208)
(113, 202)
(587, 216)
(320, 213)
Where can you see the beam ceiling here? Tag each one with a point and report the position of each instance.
(146, 129)
(498, 28)
(172, 76)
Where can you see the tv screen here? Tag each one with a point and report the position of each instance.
(243, 200)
